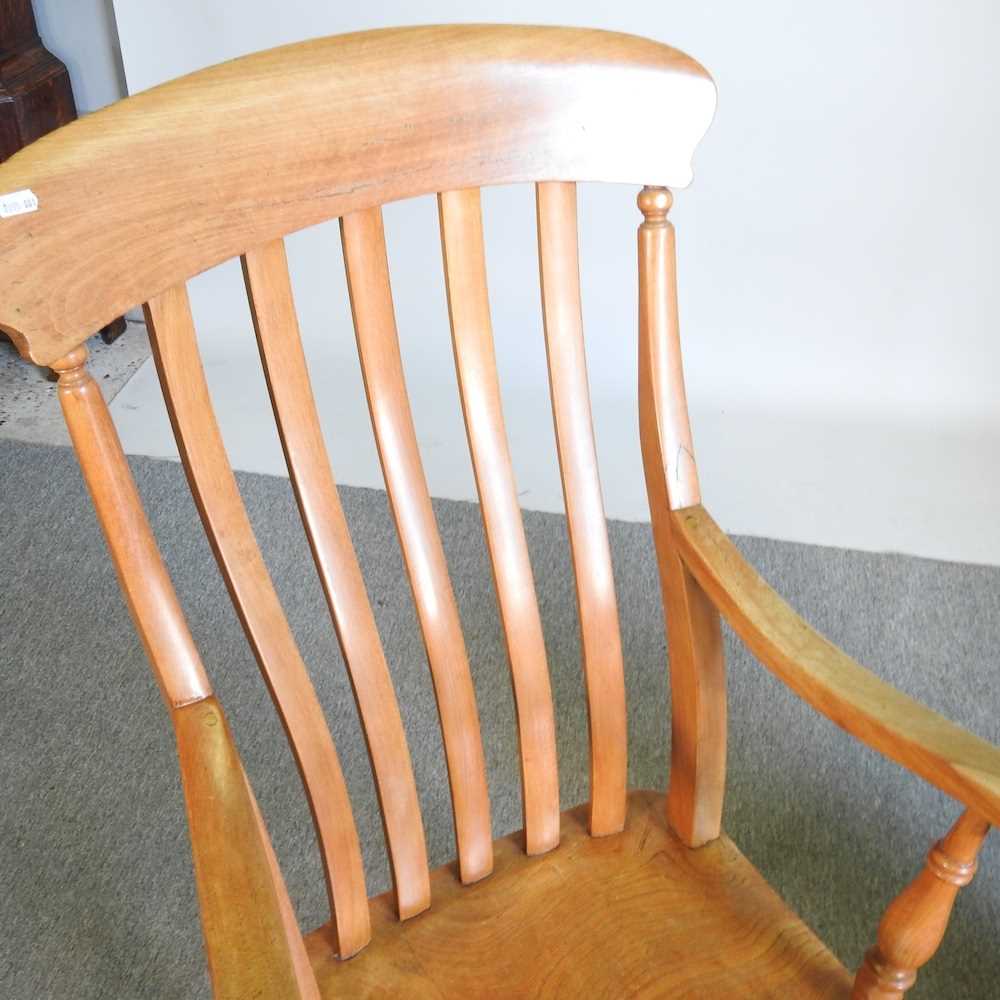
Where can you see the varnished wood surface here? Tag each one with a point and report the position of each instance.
(138, 198)
(600, 637)
(213, 485)
(915, 922)
(659, 339)
(406, 484)
(943, 753)
(197, 171)
(634, 914)
(697, 668)
(141, 573)
(270, 293)
(479, 387)
(252, 942)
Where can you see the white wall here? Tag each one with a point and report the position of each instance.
(837, 267)
(82, 34)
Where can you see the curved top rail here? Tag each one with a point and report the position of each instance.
(165, 184)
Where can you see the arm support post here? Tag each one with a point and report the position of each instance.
(915, 922)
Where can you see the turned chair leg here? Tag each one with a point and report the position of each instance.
(915, 921)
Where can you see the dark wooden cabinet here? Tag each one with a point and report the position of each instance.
(35, 91)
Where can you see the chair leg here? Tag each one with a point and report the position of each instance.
(915, 921)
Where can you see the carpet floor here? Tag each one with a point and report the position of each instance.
(97, 898)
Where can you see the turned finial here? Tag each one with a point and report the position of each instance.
(71, 369)
(654, 203)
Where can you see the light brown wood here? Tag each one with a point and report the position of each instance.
(915, 922)
(941, 752)
(136, 199)
(269, 290)
(196, 171)
(178, 362)
(659, 337)
(385, 386)
(252, 940)
(143, 577)
(588, 534)
(635, 914)
(475, 362)
(697, 667)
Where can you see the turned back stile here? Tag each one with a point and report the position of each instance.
(251, 935)
(509, 105)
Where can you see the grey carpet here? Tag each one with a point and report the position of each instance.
(97, 898)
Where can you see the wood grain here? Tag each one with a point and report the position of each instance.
(385, 386)
(479, 387)
(588, 533)
(659, 338)
(269, 290)
(196, 171)
(634, 914)
(143, 577)
(252, 941)
(941, 752)
(136, 199)
(914, 924)
(213, 485)
(697, 668)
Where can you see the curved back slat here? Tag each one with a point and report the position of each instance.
(472, 338)
(178, 361)
(269, 290)
(381, 364)
(192, 173)
(588, 533)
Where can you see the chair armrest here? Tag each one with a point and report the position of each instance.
(903, 729)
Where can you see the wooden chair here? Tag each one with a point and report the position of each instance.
(634, 893)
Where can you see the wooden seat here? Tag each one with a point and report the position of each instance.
(630, 894)
(634, 914)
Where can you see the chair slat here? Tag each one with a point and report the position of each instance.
(378, 348)
(214, 488)
(600, 637)
(269, 289)
(475, 361)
